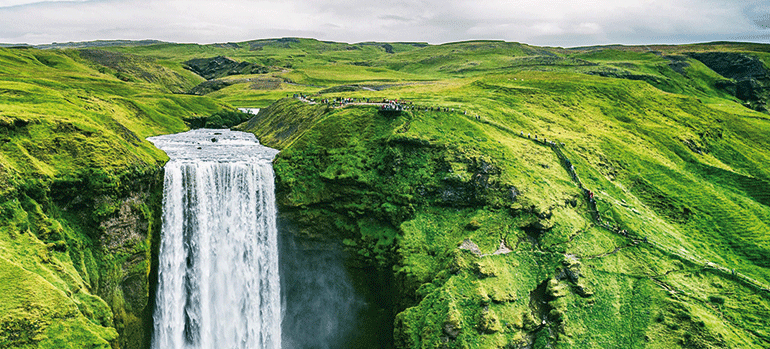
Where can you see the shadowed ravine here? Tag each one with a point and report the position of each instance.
(329, 301)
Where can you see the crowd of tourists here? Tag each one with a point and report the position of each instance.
(384, 104)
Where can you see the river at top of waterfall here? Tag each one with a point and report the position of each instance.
(214, 145)
(218, 282)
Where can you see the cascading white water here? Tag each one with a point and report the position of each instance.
(218, 282)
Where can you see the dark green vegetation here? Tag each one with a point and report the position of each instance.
(220, 66)
(220, 119)
(483, 237)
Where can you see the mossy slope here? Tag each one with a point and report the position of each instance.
(81, 192)
(435, 195)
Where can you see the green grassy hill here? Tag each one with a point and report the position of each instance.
(485, 230)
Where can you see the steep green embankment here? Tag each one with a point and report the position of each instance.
(493, 243)
(80, 196)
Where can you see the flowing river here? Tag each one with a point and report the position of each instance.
(218, 284)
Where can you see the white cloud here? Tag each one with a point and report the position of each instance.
(759, 14)
(563, 23)
(588, 28)
(547, 28)
(10, 3)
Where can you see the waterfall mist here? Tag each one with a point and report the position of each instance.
(331, 300)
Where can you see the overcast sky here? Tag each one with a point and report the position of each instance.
(538, 22)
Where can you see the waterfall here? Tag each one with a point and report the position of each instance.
(218, 281)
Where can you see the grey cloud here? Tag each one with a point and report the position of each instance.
(554, 23)
(394, 18)
(759, 14)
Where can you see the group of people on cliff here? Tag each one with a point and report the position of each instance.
(384, 104)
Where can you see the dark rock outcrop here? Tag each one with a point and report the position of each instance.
(623, 74)
(750, 78)
(221, 66)
(211, 86)
(678, 63)
(733, 65)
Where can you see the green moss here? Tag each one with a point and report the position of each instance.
(53, 243)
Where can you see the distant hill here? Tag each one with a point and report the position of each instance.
(97, 43)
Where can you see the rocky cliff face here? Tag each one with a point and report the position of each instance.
(94, 244)
(373, 198)
(750, 78)
(129, 243)
(220, 66)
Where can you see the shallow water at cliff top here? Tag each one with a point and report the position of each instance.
(213, 145)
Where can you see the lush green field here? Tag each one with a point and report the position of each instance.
(490, 239)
